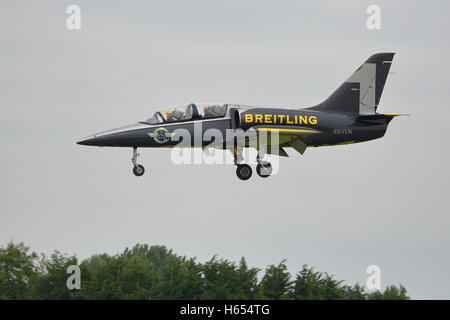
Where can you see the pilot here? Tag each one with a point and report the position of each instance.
(207, 111)
(215, 110)
(177, 115)
(169, 117)
(221, 110)
(189, 112)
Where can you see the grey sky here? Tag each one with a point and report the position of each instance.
(339, 209)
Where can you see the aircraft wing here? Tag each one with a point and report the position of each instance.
(287, 137)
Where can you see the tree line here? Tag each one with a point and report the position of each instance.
(156, 272)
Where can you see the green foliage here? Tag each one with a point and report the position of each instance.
(17, 271)
(311, 285)
(276, 282)
(50, 281)
(225, 280)
(179, 278)
(155, 272)
(390, 293)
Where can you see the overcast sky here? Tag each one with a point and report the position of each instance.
(339, 209)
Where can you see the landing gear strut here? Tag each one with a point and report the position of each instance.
(138, 169)
(264, 168)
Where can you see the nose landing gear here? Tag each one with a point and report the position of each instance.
(138, 169)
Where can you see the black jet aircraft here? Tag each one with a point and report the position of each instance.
(348, 115)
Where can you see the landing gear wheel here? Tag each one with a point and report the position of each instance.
(264, 169)
(244, 171)
(138, 170)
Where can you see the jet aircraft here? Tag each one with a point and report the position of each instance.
(349, 115)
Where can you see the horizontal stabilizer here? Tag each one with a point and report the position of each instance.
(379, 116)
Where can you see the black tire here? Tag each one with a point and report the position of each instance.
(138, 170)
(264, 169)
(244, 171)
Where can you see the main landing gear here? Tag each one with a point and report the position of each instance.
(138, 169)
(264, 169)
(244, 171)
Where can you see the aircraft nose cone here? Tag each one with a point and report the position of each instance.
(89, 141)
(119, 137)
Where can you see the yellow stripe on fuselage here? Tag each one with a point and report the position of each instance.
(287, 130)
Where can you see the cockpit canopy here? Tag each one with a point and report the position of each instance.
(189, 112)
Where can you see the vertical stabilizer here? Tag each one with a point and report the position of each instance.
(361, 92)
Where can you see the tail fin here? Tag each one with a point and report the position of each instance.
(361, 92)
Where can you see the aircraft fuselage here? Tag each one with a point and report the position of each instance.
(331, 128)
